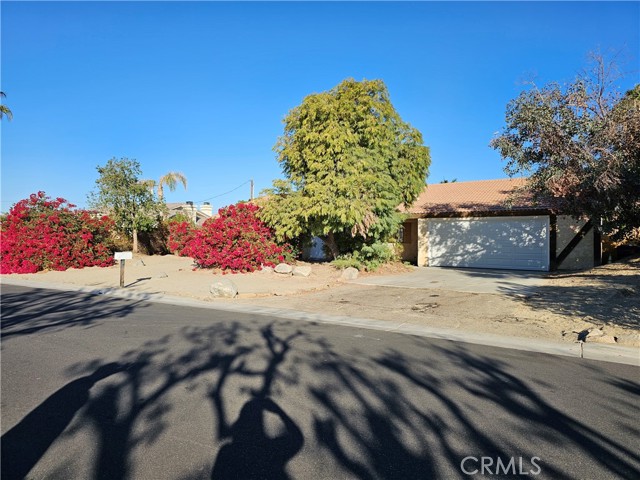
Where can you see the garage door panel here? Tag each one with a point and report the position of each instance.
(510, 243)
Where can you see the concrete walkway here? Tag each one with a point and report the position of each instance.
(462, 280)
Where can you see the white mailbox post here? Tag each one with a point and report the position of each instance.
(122, 256)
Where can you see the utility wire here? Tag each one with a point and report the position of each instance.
(225, 193)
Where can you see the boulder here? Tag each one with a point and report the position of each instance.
(603, 339)
(266, 269)
(350, 273)
(284, 269)
(223, 288)
(596, 332)
(301, 271)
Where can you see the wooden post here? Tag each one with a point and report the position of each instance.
(122, 256)
(122, 273)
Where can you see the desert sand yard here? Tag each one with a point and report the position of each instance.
(606, 298)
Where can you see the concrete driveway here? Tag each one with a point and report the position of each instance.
(462, 280)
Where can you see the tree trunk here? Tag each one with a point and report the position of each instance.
(135, 240)
(330, 241)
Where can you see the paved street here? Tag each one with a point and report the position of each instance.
(101, 387)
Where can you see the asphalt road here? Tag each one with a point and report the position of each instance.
(100, 387)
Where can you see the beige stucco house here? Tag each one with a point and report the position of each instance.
(478, 225)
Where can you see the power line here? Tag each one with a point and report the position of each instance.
(225, 193)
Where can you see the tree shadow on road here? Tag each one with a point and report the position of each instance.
(254, 454)
(491, 381)
(251, 452)
(24, 444)
(354, 408)
(33, 310)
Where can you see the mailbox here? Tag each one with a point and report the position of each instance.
(122, 256)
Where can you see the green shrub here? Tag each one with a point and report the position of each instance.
(346, 261)
(368, 257)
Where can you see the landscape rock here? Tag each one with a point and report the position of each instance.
(284, 269)
(596, 332)
(584, 326)
(302, 271)
(350, 273)
(603, 339)
(224, 288)
(266, 269)
(424, 307)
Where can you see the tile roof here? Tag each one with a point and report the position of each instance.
(481, 196)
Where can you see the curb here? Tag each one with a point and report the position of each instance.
(600, 352)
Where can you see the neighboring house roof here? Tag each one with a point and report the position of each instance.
(175, 208)
(476, 197)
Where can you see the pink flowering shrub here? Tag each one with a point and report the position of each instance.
(181, 235)
(236, 241)
(39, 233)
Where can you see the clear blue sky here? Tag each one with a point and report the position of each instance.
(202, 87)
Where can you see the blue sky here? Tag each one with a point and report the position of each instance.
(202, 87)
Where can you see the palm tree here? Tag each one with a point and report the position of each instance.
(171, 180)
(4, 110)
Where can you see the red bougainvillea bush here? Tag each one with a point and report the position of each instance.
(235, 241)
(181, 234)
(39, 233)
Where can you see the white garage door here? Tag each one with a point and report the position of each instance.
(516, 243)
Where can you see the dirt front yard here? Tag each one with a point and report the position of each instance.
(604, 300)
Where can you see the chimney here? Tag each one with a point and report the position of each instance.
(207, 209)
(191, 211)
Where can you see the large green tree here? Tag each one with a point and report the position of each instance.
(349, 161)
(580, 146)
(120, 193)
